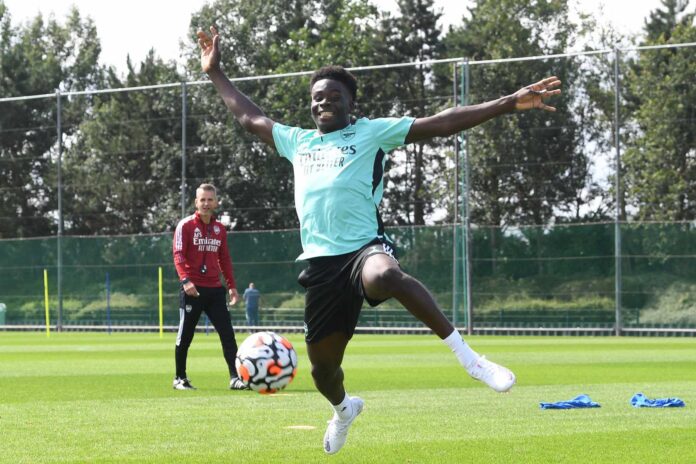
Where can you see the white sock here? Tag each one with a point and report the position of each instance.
(344, 409)
(466, 356)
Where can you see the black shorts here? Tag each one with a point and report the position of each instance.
(335, 292)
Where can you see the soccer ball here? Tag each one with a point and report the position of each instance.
(266, 362)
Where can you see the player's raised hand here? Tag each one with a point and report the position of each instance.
(533, 96)
(210, 49)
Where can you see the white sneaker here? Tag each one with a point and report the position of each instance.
(337, 431)
(182, 384)
(494, 375)
(237, 384)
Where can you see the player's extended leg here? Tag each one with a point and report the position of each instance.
(326, 356)
(382, 279)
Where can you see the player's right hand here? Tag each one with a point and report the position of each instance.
(210, 49)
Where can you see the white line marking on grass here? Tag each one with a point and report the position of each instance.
(301, 427)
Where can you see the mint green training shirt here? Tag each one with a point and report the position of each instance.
(339, 181)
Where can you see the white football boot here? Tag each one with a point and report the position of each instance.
(337, 431)
(494, 375)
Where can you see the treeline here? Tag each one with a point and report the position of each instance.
(121, 163)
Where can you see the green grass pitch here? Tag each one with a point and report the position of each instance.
(99, 398)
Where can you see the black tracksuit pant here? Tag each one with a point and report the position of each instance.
(212, 301)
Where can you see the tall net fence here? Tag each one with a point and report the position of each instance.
(517, 223)
(534, 277)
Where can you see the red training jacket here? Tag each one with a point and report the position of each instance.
(196, 243)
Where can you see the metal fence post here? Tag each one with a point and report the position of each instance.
(455, 207)
(59, 238)
(183, 149)
(466, 233)
(619, 202)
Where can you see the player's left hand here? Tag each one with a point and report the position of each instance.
(533, 96)
(234, 296)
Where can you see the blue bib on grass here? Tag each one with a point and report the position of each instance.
(580, 401)
(639, 400)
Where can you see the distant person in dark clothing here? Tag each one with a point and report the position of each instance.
(251, 300)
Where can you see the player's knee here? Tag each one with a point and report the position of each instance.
(388, 277)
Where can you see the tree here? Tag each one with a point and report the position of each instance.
(527, 168)
(131, 142)
(39, 57)
(661, 23)
(595, 113)
(660, 158)
(418, 181)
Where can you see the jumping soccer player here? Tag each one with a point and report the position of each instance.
(338, 186)
(200, 255)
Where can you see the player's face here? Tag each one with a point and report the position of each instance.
(331, 105)
(206, 202)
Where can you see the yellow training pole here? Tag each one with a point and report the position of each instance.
(48, 319)
(161, 317)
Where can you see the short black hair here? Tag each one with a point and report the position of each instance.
(336, 73)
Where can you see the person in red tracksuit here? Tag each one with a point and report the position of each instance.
(200, 255)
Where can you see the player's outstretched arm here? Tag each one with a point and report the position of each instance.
(457, 119)
(250, 116)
